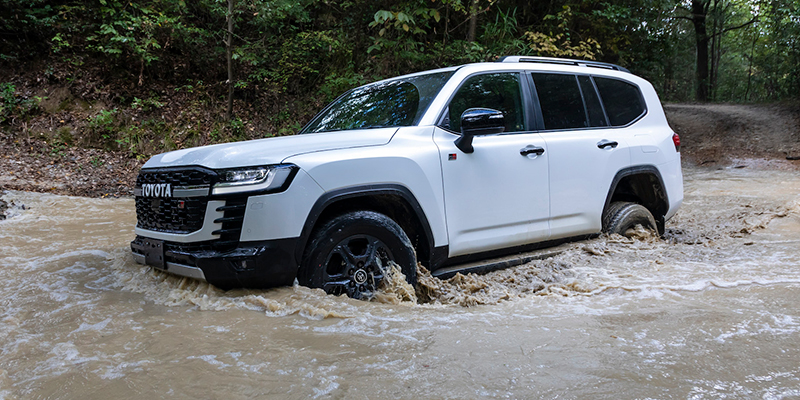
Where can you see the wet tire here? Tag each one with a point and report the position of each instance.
(621, 216)
(349, 254)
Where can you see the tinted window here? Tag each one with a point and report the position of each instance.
(394, 103)
(622, 100)
(561, 102)
(593, 108)
(496, 91)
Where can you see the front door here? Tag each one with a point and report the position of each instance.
(497, 196)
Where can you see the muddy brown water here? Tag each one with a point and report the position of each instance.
(710, 311)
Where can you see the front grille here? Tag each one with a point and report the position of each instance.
(187, 214)
(173, 214)
(177, 177)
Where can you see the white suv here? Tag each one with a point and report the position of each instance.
(442, 167)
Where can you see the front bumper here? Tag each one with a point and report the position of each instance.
(248, 265)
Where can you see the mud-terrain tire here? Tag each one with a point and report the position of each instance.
(348, 254)
(621, 216)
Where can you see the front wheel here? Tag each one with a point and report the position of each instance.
(350, 254)
(622, 216)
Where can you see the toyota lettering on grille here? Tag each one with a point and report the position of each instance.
(157, 190)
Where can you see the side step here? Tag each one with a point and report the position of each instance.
(494, 264)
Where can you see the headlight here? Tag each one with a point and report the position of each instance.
(253, 179)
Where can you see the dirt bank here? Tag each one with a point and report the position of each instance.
(718, 134)
(749, 135)
(38, 166)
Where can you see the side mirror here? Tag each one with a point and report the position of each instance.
(476, 122)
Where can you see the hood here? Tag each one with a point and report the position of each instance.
(270, 150)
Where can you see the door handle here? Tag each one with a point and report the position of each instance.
(606, 143)
(531, 149)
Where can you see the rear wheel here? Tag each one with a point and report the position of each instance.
(350, 254)
(622, 216)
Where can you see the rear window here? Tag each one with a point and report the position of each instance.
(622, 100)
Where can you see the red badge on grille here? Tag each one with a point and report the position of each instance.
(181, 204)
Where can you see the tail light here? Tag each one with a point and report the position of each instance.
(677, 140)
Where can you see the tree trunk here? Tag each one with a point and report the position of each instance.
(699, 13)
(750, 66)
(473, 21)
(715, 42)
(229, 48)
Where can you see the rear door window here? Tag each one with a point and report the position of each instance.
(561, 101)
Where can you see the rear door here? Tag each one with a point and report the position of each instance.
(585, 153)
(495, 197)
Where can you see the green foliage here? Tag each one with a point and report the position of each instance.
(561, 43)
(14, 106)
(146, 104)
(402, 21)
(57, 148)
(304, 57)
(28, 19)
(133, 29)
(236, 126)
(102, 129)
(401, 35)
(103, 121)
(290, 57)
(59, 43)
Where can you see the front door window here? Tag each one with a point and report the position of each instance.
(498, 91)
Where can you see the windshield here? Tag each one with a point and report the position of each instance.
(399, 102)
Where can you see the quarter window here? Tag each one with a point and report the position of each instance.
(622, 100)
(499, 91)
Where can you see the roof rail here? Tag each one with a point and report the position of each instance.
(562, 61)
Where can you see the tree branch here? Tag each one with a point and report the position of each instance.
(733, 28)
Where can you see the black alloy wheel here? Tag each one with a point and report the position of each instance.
(349, 254)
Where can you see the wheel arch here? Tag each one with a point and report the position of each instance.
(644, 185)
(395, 201)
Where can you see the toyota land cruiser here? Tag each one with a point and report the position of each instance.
(441, 167)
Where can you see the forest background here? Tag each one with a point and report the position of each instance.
(145, 76)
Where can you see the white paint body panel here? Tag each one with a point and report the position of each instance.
(672, 174)
(271, 150)
(280, 215)
(580, 176)
(411, 160)
(494, 197)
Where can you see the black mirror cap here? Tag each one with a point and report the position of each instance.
(482, 121)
